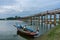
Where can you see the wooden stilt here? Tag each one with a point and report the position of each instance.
(39, 20)
(42, 19)
(44, 25)
(54, 19)
(46, 19)
(50, 21)
(59, 17)
(34, 21)
(31, 20)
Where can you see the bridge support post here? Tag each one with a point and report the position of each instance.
(31, 21)
(50, 20)
(59, 17)
(42, 24)
(39, 20)
(35, 21)
(55, 19)
(46, 19)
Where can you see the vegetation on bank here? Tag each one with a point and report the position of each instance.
(58, 22)
(53, 34)
(2, 19)
(11, 18)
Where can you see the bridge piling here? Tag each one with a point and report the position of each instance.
(55, 19)
(50, 20)
(59, 17)
(43, 21)
(39, 20)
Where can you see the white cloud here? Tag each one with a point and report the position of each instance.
(27, 5)
(2, 10)
(36, 4)
(7, 8)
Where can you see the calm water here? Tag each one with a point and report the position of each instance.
(9, 32)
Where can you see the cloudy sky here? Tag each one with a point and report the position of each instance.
(26, 7)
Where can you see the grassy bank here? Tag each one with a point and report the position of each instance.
(58, 22)
(53, 34)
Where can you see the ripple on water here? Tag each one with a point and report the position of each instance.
(8, 31)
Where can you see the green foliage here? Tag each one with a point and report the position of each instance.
(58, 22)
(13, 18)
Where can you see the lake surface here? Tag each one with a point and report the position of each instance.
(9, 32)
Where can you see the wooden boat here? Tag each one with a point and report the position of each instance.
(27, 31)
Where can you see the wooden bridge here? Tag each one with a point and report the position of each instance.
(44, 17)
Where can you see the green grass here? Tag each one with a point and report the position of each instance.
(53, 34)
(58, 22)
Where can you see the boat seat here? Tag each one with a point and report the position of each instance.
(29, 29)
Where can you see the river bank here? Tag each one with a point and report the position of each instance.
(53, 34)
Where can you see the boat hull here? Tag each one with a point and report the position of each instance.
(27, 33)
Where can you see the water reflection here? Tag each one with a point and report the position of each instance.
(25, 36)
(9, 32)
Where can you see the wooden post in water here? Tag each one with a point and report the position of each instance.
(34, 23)
(36, 20)
(31, 20)
(59, 17)
(55, 19)
(44, 18)
(42, 24)
(50, 20)
(46, 21)
(39, 20)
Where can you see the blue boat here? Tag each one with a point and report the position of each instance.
(26, 30)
